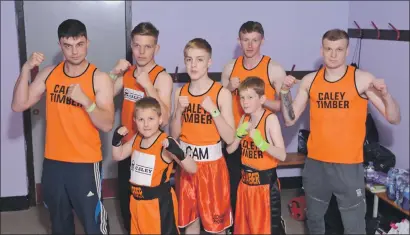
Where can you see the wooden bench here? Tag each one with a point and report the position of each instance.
(293, 160)
(384, 197)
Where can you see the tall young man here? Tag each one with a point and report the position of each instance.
(251, 63)
(338, 95)
(79, 103)
(202, 119)
(145, 78)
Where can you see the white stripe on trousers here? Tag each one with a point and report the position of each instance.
(103, 213)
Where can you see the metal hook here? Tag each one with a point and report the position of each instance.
(397, 31)
(378, 31)
(176, 74)
(293, 68)
(360, 29)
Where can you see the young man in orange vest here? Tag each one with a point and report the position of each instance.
(338, 95)
(79, 101)
(251, 63)
(145, 78)
(202, 119)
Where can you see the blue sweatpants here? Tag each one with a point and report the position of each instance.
(67, 186)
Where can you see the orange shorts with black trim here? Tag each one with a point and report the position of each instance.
(205, 195)
(154, 210)
(258, 205)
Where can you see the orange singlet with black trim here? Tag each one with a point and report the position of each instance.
(261, 71)
(258, 191)
(70, 134)
(337, 119)
(132, 93)
(153, 203)
(205, 194)
(251, 155)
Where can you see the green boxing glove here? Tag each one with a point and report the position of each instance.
(241, 131)
(259, 141)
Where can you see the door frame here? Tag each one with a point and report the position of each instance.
(22, 48)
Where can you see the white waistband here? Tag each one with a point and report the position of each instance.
(204, 153)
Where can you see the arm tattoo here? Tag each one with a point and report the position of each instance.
(287, 101)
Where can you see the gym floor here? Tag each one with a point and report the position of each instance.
(36, 221)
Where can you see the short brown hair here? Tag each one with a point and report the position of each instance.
(145, 29)
(198, 43)
(336, 34)
(250, 27)
(255, 83)
(148, 103)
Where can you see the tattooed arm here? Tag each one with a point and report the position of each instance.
(292, 110)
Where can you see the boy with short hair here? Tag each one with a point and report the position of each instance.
(153, 203)
(202, 120)
(260, 137)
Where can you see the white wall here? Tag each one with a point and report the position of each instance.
(13, 155)
(293, 32)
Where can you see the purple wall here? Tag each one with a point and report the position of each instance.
(293, 32)
(388, 60)
(13, 156)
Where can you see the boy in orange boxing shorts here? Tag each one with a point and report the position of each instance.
(202, 120)
(153, 203)
(258, 206)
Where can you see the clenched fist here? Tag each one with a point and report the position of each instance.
(183, 103)
(35, 60)
(379, 86)
(208, 104)
(288, 82)
(234, 83)
(119, 134)
(122, 131)
(143, 79)
(76, 93)
(121, 66)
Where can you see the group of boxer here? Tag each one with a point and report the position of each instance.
(225, 138)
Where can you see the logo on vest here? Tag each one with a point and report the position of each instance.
(332, 100)
(59, 95)
(249, 150)
(194, 113)
(141, 169)
(132, 95)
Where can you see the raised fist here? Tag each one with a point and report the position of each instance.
(234, 83)
(288, 82)
(35, 60)
(183, 103)
(380, 86)
(121, 66)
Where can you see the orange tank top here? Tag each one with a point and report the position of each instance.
(261, 71)
(132, 93)
(337, 119)
(148, 168)
(70, 134)
(251, 155)
(198, 127)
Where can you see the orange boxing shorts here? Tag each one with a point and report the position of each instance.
(258, 205)
(154, 210)
(205, 195)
